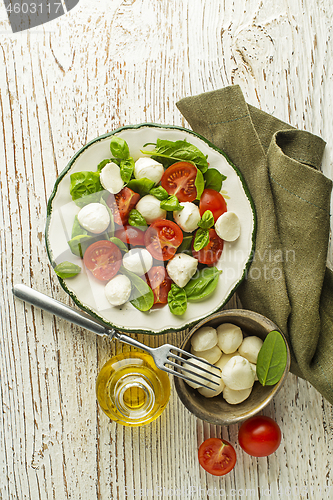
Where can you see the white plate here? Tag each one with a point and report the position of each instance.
(88, 293)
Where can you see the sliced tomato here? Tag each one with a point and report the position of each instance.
(217, 456)
(131, 235)
(179, 179)
(121, 204)
(213, 201)
(211, 253)
(162, 238)
(160, 282)
(103, 259)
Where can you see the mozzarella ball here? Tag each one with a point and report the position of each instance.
(224, 359)
(110, 178)
(181, 268)
(215, 391)
(227, 226)
(250, 348)
(118, 290)
(94, 217)
(234, 397)
(238, 374)
(149, 208)
(187, 218)
(138, 261)
(229, 337)
(149, 168)
(196, 369)
(254, 368)
(204, 338)
(211, 355)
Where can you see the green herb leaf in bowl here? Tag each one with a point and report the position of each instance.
(272, 359)
(67, 270)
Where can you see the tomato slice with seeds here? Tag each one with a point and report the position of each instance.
(162, 238)
(160, 283)
(121, 204)
(179, 179)
(211, 253)
(103, 259)
(213, 201)
(217, 456)
(130, 235)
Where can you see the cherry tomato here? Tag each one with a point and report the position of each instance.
(160, 283)
(216, 456)
(213, 201)
(103, 259)
(211, 253)
(259, 436)
(162, 238)
(121, 204)
(131, 235)
(179, 179)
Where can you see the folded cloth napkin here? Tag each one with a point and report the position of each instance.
(288, 280)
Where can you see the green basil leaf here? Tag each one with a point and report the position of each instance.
(214, 179)
(85, 187)
(171, 204)
(119, 148)
(67, 270)
(137, 220)
(199, 184)
(160, 193)
(141, 186)
(185, 245)
(177, 300)
(142, 296)
(79, 244)
(126, 169)
(272, 359)
(207, 220)
(201, 239)
(202, 284)
(168, 152)
(102, 164)
(120, 244)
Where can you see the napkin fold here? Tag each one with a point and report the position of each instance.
(288, 280)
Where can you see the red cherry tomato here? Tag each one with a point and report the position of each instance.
(121, 204)
(162, 238)
(131, 235)
(179, 179)
(160, 283)
(216, 456)
(103, 259)
(259, 436)
(213, 201)
(211, 253)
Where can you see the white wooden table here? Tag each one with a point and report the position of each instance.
(103, 65)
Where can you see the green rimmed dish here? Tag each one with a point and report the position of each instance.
(88, 293)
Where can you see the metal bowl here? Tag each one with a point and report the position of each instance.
(216, 410)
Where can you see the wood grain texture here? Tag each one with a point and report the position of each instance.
(103, 65)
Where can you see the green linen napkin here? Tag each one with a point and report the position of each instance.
(288, 280)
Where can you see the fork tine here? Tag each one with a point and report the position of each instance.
(196, 374)
(181, 375)
(188, 361)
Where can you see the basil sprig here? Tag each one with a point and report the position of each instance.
(177, 300)
(272, 359)
(214, 179)
(168, 152)
(202, 284)
(126, 169)
(137, 220)
(119, 148)
(67, 270)
(201, 238)
(141, 186)
(171, 204)
(160, 193)
(85, 187)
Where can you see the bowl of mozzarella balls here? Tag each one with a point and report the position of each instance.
(230, 340)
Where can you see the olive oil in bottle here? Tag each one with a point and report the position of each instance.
(131, 390)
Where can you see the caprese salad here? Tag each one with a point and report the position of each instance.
(152, 229)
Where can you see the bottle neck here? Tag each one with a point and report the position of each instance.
(134, 396)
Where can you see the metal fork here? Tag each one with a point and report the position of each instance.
(162, 355)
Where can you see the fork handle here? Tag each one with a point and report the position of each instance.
(53, 306)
